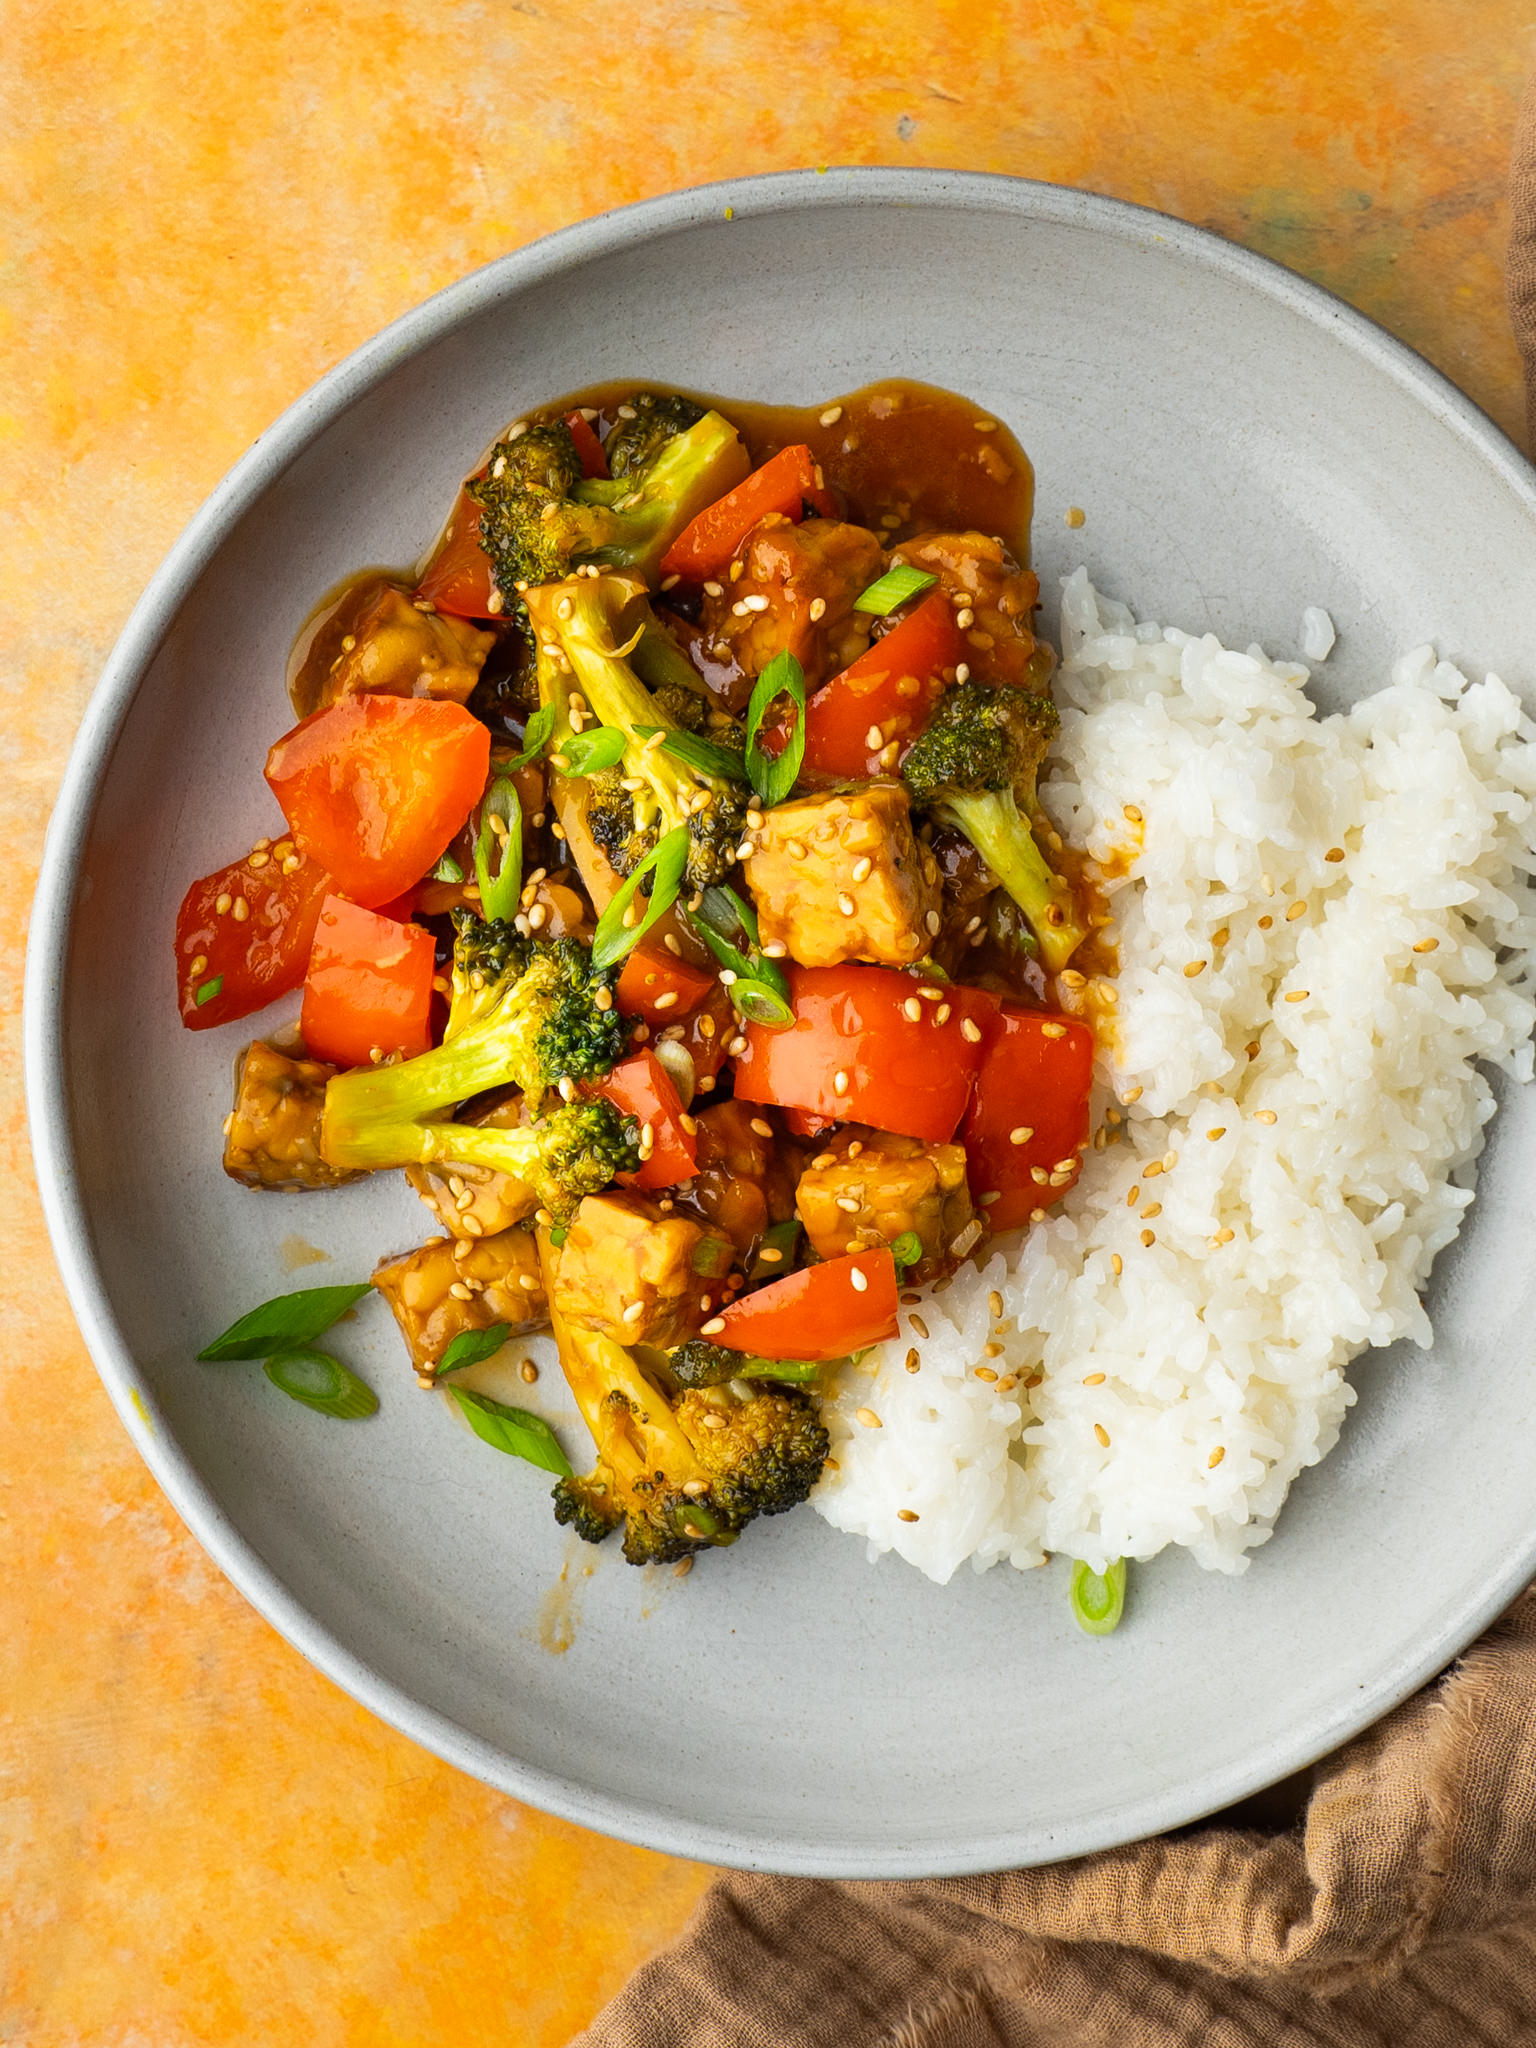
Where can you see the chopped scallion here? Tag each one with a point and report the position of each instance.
(907, 1250)
(759, 1003)
(208, 990)
(447, 870)
(536, 737)
(470, 1347)
(323, 1383)
(499, 870)
(516, 1431)
(774, 776)
(589, 753)
(698, 753)
(1098, 1598)
(666, 862)
(893, 588)
(287, 1322)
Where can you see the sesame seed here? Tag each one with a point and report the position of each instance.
(1423, 946)
(1037, 1215)
(994, 1304)
(291, 862)
(1021, 1134)
(932, 921)
(472, 1226)
(1039, 1175)
(761, 1125)
(869, 1418)
(1152, 1209)
(985, 1372)
(604, 999)
(737, 1046)
(1252, 1048)
(755, 603)
(858, 1280)
(1102, 1434)
(1216, 1457)
(1036, 1379)
(1216, 1131)
(460, 1292)
(1148, 1239)
(1297, 995)
(818, 609)
(1297, 909)
(635, 1312)
(963, 672)
(694, 1487)
(1192, 968)
(831, 416)
(221, 906)
(1130, 1095)
(1053, 1030)
(714, 590)
(846, 905)
(1220, 938)
(1264, 1116)
(1131, 813)
(919, 1325)
(964, 618)
(1116, 1264)
(839, 1083)
(874, 738)
(906, 1515)
(1266, 883)
(713, 1327)
(1094, 1379)
(770, 1255)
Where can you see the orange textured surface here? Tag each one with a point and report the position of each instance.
(204, 206)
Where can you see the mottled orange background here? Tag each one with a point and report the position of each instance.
(203, 205)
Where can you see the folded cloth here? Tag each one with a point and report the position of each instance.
(1400, 1911)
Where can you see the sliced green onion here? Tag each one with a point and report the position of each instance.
(712, 1256)
(322, 1383)
(722, 913)
(759, 1003)
(516, 1431)
(783, 1238)
(536, 737)
(774, 778)
(589, 753)
(470, 1346)
(209, 990)
(559, 1234)
(666, 862)
(698, 753)
(800, 1369)
(287, 1322)
(447, 870)
(907, 1250)
(1098, 1598)
(499, 871)
(892, 589)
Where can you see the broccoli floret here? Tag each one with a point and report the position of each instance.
(635, 442)
(524, 1014)
(540, 518)
(539, 996)
(678, 1473)
(698, 1363)
(587, 628)
(975, 768)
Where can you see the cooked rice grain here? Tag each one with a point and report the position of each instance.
(1299, 1235)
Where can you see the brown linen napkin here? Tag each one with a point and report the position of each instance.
(1400, 1913)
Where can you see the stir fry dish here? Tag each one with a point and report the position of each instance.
(663, 874)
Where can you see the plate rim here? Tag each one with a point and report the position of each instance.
(1026, 201)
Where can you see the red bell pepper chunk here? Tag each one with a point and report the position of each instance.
(1036, 1073)
(228, 966)
(851, 1024)
(593, 461)
(660, 988)
(895, 684)
(821, 1312)
(705, 546)
(369, 986)
(642, 1088)
(458, 578)
(375, 787)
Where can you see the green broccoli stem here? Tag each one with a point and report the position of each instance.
(374, 1115)
(689, 471)
(992, 822)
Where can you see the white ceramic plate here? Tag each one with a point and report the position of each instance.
(1243, 446)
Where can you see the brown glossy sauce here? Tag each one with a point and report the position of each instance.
(928, 460)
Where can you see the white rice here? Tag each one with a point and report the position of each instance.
(1283, 1246)
(1317, 634)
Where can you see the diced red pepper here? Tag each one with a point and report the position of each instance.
(1036, 1073)
(369, 986)
(893, 686)
(852, 1026)
(375, 787)
(705, 546)
(593, 461)
(642, 1088)
(821, 1312)
(660, 988)
(228, 965)
(458, 578)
